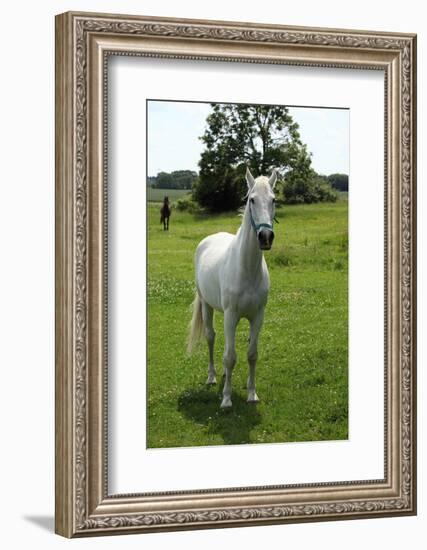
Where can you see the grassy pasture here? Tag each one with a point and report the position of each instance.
(157, 195)
(302, 370)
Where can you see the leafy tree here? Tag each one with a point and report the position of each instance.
(164, 180)
(221, 189)
(310, 189)
(262, 137)
(178, 179)
(301, 184)
(339, 181)
(183, 179)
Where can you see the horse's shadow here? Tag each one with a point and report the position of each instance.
(202, 405)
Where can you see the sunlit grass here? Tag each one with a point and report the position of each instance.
(302, 371)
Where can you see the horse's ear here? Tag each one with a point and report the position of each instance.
(249, 179)
(273, 178)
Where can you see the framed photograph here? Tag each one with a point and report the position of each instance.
(235, 274)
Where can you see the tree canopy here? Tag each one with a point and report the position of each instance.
(261, 137)
(339, 181)
(178, 179)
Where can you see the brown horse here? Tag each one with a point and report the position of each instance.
(165, 213)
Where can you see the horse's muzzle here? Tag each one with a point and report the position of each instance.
(265, 238)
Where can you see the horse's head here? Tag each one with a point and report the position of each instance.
(261, 207)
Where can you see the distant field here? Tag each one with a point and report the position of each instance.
(157, 195)
(302, 371)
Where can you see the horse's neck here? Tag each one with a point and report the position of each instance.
(248, 250)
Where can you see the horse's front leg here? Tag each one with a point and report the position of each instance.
(229, 359)
(256, 324)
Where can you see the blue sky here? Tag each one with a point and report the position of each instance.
(174, 129)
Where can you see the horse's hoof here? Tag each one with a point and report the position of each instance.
(211, 380)
(226, 403)
(253, 399)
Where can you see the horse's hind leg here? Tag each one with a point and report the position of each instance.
(256, 325)
(207, 315)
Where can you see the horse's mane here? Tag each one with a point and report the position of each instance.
(241, 209)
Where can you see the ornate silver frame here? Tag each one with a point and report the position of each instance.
(83, 42)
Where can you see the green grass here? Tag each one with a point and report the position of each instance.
(157, 195)
(302, 370)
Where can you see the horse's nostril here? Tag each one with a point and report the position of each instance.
(265, 237)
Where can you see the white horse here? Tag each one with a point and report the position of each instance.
(232, 276)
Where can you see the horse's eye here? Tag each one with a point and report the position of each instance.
(274, 200)
(252, 200)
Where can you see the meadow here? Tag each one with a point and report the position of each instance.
(156, 195)
(302, 370)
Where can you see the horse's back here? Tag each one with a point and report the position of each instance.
(214, 243)
(209, 259)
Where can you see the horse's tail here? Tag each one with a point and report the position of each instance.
(195, 332)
